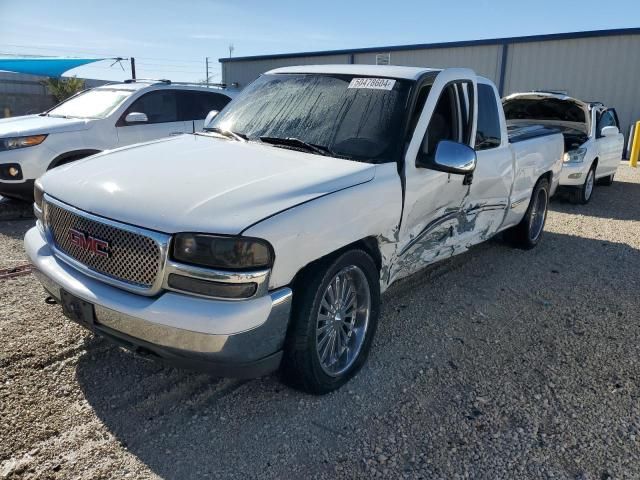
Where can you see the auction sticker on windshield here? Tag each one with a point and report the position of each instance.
(374, 83)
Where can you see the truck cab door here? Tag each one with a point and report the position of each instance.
(162, 120)
(433, 200)
(493, 178)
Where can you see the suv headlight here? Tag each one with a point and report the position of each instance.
(224, 253)
(575, 156)
(21, 142)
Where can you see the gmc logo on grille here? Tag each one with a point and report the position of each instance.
(94, 245)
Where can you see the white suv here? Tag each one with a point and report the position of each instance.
(99, 119)
(593, 142)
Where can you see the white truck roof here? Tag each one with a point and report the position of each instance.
(408, 73)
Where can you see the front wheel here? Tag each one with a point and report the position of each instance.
(335, 315)
(528, 232)
(583, 194)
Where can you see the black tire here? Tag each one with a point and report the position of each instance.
(301, 366)
(528, 232)
(582, 195)
(606, 181)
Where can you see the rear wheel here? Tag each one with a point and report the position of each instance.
(335, 315)
(528, 232)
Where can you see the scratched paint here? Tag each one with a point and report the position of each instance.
(445, 239)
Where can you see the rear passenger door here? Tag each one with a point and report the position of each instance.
(609, 148)
(489, 195)
(196, 105)
(161, 109)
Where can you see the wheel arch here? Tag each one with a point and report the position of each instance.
(367, 244)
(71, 156)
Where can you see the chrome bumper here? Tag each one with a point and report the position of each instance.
(230, 338)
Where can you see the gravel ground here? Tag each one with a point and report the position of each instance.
(496, 364)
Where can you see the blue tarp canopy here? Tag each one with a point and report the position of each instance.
(46, 67)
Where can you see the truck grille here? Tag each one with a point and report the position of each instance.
(133, 258)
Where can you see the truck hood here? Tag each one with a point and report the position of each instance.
(199, 183)
(37, 124)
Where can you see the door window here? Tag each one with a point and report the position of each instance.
(197, 105)
(488, 132)
(451, 119)
(159, 107)
(606, 119)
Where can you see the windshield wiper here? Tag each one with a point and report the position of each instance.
(227, 133)
(297, 143)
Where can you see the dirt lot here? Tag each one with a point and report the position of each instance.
(496, 364)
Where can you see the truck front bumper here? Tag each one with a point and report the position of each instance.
(574, 174)
(226, 338)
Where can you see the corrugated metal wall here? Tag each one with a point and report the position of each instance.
(485, 60)
(597, 68)
(245, 72)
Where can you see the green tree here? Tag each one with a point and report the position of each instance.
(63, 88)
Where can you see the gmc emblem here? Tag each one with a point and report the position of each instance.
(94, 245)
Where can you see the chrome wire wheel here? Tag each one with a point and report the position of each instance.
(538, 214)
(588, 185)
(342, 321)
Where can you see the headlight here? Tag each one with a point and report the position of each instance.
(225, 253)
(21, 142)
(38, 194)
(575, 156)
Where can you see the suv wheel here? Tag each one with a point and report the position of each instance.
(335, 315)
(584, 193)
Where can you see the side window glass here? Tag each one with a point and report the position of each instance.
(159, 106)
(451, 119)
(215, 101)
(606, 119)
(197, 105)
(420, 101)
(488, 133)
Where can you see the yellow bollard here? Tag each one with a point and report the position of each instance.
(635, 147)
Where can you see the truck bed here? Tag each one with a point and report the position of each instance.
(521, 132)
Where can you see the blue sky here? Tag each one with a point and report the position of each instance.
(170, 39)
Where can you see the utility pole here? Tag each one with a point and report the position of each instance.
(231, 49)
(133, 68)
(206, 60)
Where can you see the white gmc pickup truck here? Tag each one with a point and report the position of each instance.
(266, 240)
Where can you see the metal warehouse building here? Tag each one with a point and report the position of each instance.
(599, 65)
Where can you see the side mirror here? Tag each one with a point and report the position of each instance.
(609, 131)
(136, 117)
(210, 116)
(450, 157)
